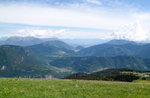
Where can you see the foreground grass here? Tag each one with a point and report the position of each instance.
(142, 81)
(46, 88)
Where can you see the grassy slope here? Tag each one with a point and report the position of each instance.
(46, 88)
(142, 81)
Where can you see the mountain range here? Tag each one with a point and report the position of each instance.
(34, 57)
(21, 41)
(124, 49)
(15, 62)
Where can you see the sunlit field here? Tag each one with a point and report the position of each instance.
(48, 88)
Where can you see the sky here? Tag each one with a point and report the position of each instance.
(81, 19)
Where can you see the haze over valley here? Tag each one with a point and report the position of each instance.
(40, 57)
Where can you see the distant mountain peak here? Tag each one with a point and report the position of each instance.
(57, 43)
(120, 42)
(25, 40)
(22, 38)
(22, 41)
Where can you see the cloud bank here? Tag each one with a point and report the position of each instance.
(68, 17)
(63, 34)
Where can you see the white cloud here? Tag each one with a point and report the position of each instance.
(134, 32)
(62, 33)
(40, 33)
(138, 30)
(69, 17)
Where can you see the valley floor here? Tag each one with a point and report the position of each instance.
(48, 88)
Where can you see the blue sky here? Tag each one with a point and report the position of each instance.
(103, 19)
(142, 5)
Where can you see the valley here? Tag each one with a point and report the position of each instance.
(58, 59)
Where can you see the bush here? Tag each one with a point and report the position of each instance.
(125, 77)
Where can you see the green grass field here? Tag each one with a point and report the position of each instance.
(47, 88)
(142, 81)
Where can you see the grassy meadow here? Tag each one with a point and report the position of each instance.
(142, 81)
(49, 88)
